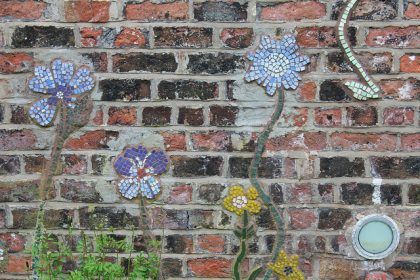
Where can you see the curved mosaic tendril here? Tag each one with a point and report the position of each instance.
(253, 175)
(360, 91)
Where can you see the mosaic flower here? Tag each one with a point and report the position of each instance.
(276, 63)
(139, 169)
(62, 85)
(239, 200)
(287, 267)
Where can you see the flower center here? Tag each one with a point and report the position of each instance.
(141, 172)
(60, 94)
(277, 64)
(288, 270)
(239, 201)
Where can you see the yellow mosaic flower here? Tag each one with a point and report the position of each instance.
(287, 267)
(239, 200)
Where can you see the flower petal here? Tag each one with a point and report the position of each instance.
(125, 167)
(138, 154)
(82, 81)
(129, 187)
(63, 71)
(42, 112)
(42, 81)
(156, 161)
(251, 74)
(288, 44)
(149, 187)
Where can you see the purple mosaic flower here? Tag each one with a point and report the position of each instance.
(275, 64)
(61, 84)
(139, 169)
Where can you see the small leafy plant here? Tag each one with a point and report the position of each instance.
(102, 256)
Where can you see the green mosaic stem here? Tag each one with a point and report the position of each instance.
(360, 91)
(242, 252)
(253, 175)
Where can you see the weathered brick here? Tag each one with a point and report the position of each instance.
(391, 195)
(301, 218)
(9, 165)
(341, 167)
(131, 37)
(211, 243)
(79, 191)
(412, 245)
(74, 164)
(93, 37)
(18, 139)
(99, 164)
(307, 91)
(276, 193)
(379, 10)
(155, 116)
(412, 10)
(196, 167)
(401, 89)
(2, 218)
(191, 116)
(23, 10)
(14, 241)
(333, 219)
(410, 63)
(183, 37)
(380, 63)
(148, 11)
(331, 90)
(180, 194)
(122, 115)
(321, 36)
(97, 139)
(395, 167)
(410, 142)
(237, 38)
(174, 141)
(211, 141)
(144, 62)
(358, 194)
(210, 193)
(87, 11)
(414, 194)
(25, 218)
(11, 63)
(19, 115)
(362, 116)
(395, 37)
(328, 116)
(298, 141)
(107, 217)
(220, 63)
(97, 60)
(188, 89)
(179, 244)
(220, 11)
(223, 115)
(42, 37)
(171, 267)
(291, 11)
(20, 191)
(209, 267)
(326, 193)
(398, 116)
(360, 141)
(271, 167)
(18, 264)
(34, 163)
(405, 269)
(124, 89)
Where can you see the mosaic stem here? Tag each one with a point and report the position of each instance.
(360, 91)
(242, 253)
(253, 175)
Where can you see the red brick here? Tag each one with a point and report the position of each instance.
(328, 116)
(378, 275)
(87, 11)
(296, 117)
(307, 91)
(98, 118)
(18, 264)
(96, 139)
(362, 116)
(26, 9)
(131, 37)
(211, 243)
(15, 242)
(410, 142)
(211, 141)
(181, 194)
(15, 63)
(316, 37)
(237, 38)
(23, 139)
(191, 116)
(291, 11)
(410, 63)
(210, 267)
(35, 163)
(397, 37)
(122, 115)
(299, 193)
(301, 218)
(74, 164)
(174, 141)
(90, 36)
(399, 116)
(402, 89)
(412, 11)
(364, 142)
(148, 11)
(298, 141)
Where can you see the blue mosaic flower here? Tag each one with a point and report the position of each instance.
(276, 63)
(62, 86)
(139, 168)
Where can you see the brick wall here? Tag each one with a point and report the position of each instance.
(170, 74)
